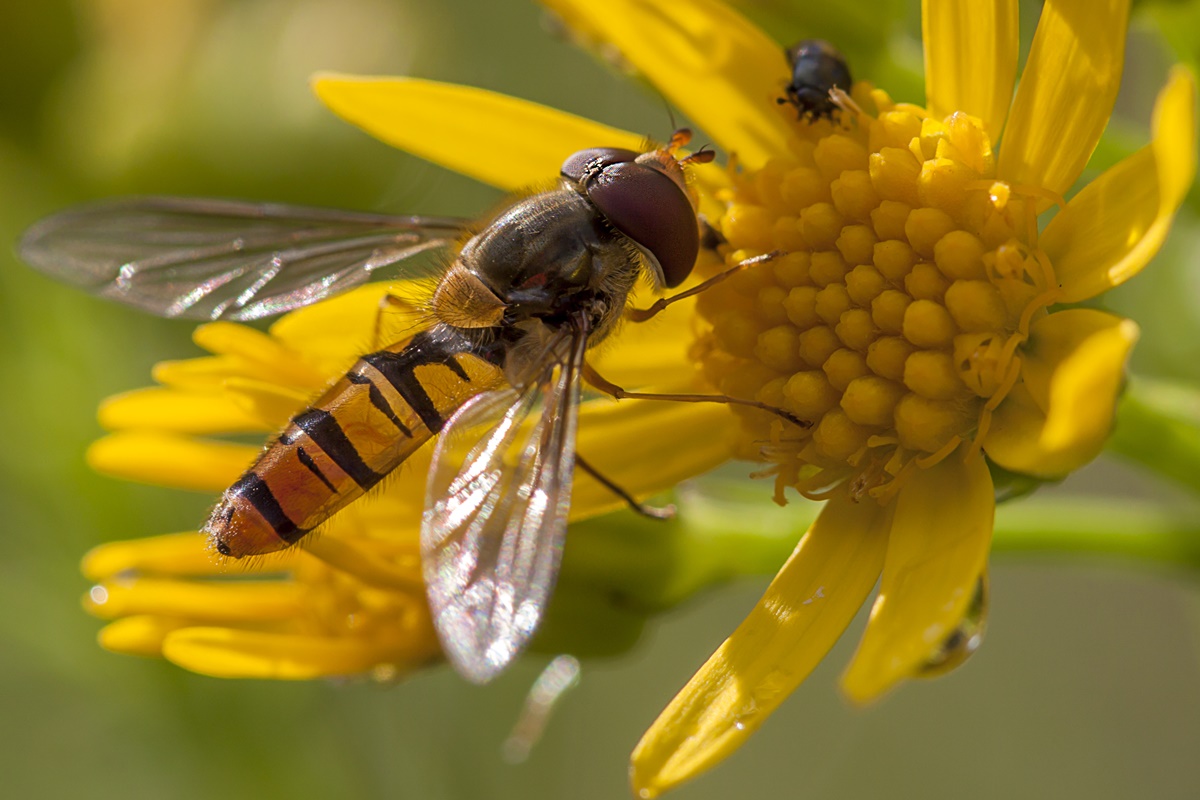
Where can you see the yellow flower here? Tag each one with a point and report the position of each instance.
(915, 320)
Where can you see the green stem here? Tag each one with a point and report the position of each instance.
(727, 530)
(1122, 529)
(1158, 427)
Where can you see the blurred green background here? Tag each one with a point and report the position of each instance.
(1088, 685)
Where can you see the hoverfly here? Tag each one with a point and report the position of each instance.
(497, 375)
(817, 68)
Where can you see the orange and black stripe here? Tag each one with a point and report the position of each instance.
(377, 415)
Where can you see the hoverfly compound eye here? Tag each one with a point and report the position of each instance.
(588, 162)
(653, 209)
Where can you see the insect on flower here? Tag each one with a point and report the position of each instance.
(817, 69)
(498, 373)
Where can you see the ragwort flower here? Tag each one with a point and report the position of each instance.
(916, 319)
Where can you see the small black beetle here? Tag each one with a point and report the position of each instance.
(817, 68)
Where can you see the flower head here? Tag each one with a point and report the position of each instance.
(915, 318)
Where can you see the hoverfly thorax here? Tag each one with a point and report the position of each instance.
(542, 257)
(578, 247)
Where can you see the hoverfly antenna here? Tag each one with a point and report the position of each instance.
(701, 156)
(670, 111)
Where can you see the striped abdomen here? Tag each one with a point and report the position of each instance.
(388, 405)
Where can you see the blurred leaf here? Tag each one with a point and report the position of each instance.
(1178, 20)
(46, 42)
(1163, 301)
(1178, 23)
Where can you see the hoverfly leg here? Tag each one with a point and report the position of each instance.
(643, 314)
(388, 303)
(600, 383)
(653, 512)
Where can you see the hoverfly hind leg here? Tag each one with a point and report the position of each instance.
(643, 314)
(599, 382)
(653, 512)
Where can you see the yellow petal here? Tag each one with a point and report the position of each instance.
(1059, 417)
(270, 404)
(970, 58)
(793, 626)
(168, 554)
(177, 411)
(965, 640)
(1115, 225)
(348, 556)
(167, 459)
(206, 374)
(271, 358)
(227, 653)
(174, 555)
(500, 140)
(717, 67)
(142, 635)
(937, 550)
(208, 601)
(1066, 93)
(363, 321)
(211, 373)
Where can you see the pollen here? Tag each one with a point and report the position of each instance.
(903, 279)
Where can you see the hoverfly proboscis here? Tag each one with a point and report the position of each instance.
(497, 375)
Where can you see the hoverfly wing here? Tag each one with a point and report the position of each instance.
(496, 515)
(223, 259)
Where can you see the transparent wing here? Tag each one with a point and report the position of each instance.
(496, 514)
(223, 259)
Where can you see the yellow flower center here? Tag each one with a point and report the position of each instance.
(908, 278)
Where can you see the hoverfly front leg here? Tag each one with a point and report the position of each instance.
(653, 512)
(643, 314)
(599, 382)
